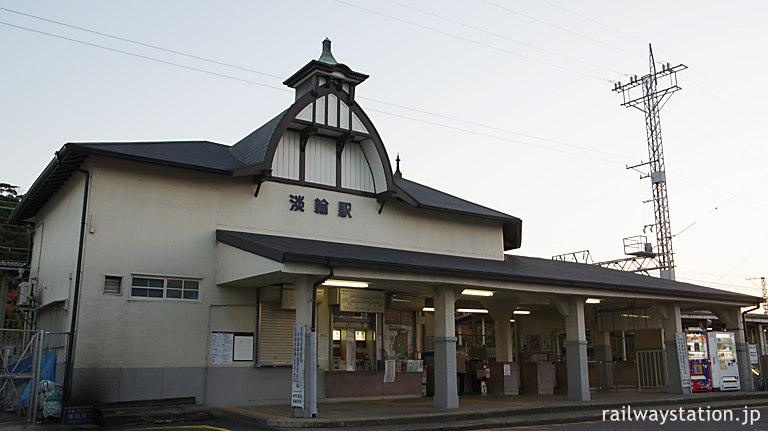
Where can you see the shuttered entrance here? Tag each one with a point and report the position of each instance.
(275, 334)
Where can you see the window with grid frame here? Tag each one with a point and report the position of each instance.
(165, 288)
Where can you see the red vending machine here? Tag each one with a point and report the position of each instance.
(698, 358)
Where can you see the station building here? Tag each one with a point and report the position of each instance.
(200, 259)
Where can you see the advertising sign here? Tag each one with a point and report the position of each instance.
(682, 358)
(297, 371)
(362, 300)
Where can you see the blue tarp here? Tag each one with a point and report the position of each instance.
(46, 373)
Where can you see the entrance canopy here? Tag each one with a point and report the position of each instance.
(514, 273)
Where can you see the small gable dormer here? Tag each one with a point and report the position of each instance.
(324, 139)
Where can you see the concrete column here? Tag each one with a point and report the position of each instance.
(446, 393)
(502, 311)
(672, 325)
(732, 318)
(304, 317)
(572, 308)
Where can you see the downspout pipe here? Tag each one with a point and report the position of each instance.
(313, 347)
(76, 295)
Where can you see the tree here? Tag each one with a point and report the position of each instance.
(14, 240)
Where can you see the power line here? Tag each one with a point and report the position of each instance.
(143, 56)
(474, 41)
(140, 43)
(512, 11)
(499, 35)
(593, 20)
(493, 136)
(286, 90)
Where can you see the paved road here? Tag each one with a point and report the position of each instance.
(754, 418)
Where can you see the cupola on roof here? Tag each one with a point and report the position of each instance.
(309, 77)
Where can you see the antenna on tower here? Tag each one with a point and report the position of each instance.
(648, 94)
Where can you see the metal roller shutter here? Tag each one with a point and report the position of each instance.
(276, 334)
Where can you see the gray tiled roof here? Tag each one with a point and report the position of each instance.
(514, 269)
(203, 155)
(437, 200)
(252, 149)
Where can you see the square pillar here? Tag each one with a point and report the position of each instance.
(572, 308)
(308, 370)
(672, 326)
(446, 391)
(502, 311)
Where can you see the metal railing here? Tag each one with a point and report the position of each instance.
(612, 375)
(651, 369)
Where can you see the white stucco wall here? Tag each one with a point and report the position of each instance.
(151, 220)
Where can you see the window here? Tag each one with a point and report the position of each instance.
(165, 288)
(112, 284)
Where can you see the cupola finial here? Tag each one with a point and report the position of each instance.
(397, 171)
(326, 56)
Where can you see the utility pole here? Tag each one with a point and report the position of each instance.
(649, 96)
(764, 292)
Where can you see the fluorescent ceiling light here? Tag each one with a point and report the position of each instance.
(634, 316)
(593, 301)
(428, 309)
(474, 292)
(522, 312)
(469, 310)
(345, 283)
(512, 320)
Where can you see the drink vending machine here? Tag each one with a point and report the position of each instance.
(725, 369)
(698, 359)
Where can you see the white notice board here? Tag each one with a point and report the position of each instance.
(682, 357)
(243, 349)
(221, 347)
(297, 372)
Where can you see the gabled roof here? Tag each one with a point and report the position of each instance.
(514, 269)
(216, 158)
(196, 155)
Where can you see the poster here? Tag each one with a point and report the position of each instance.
(545, 343)
(389, 371)
(222, 347)
(322, 346)
(243, 347)
(535, 346)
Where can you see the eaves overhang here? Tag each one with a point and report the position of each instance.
(522, 269)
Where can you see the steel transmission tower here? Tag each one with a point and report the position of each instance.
(649, 94)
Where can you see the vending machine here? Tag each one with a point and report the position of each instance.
(698, 360)
(725, 369)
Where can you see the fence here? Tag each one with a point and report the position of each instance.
(651, 369)
(612, 375)
(26, 358)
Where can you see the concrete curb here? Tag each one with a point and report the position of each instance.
(447, 420)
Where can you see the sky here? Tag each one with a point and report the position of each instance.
(508, 104)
